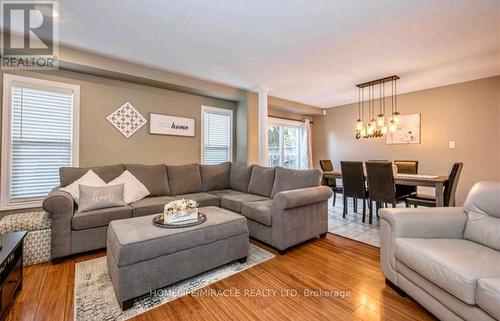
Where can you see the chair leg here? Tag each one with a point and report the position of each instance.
(364, 210)
(334, 197)
(393, 205)
(355, 205)
(344, 212)
(407, 204)
(370, 217)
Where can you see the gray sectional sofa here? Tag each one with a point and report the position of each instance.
(283, 207)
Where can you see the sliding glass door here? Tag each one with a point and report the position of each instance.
(283, 143)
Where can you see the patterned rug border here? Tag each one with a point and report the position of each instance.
(243, 267)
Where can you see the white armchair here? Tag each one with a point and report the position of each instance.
(447, 259)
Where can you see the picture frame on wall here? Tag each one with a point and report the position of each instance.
(407, 132)
(160, 124)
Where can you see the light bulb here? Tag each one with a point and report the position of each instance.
(392, 126)
(363, 132)
(359, 125)
(370, 129)
(372, 124)
(395, 117)
(384, 130)
(380, 120)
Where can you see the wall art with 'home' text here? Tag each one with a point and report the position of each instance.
(171, 125)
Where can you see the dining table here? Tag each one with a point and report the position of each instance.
(436, 181)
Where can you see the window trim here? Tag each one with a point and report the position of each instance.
(220, 111)
(10, 80)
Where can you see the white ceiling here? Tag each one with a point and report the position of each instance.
(310, 51)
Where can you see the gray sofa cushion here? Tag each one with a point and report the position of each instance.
(154, 177)
(261, 181)
(222, 192)
(185, 179)
(68, 175)
(455, 265)
(240, 177)
(215, 177)
(148, 242)
(234, 201)
(259, 211)
(150, 205)
(488, 296)
(204, 199)
(288, 179)
(97, 218)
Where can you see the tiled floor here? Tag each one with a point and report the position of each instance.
(352, 226)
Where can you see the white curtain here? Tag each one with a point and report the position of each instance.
(305, 145)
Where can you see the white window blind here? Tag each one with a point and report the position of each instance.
(40, 140)
(217, 132)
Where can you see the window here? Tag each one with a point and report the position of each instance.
(283, 143)
(216, 135)
(39, 135)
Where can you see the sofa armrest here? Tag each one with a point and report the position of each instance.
(58, 203)
(302, 197)
(426, 222)
(60, 206)
(299, 215)
(439, 222)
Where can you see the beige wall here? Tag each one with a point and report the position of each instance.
(101, 143)
(467, 113)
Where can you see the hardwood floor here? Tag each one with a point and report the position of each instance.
(332, 263)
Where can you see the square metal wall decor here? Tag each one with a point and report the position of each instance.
(127, 119)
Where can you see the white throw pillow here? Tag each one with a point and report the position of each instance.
(89, 179)
(134, 190)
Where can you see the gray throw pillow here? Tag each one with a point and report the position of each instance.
(261, 181)
(98, 197)
(288, 179)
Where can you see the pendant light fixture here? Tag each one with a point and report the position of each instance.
(376, 126)
(359, 122)
(394, 109)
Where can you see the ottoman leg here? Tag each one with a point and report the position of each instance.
(242, 260)
(127, 304)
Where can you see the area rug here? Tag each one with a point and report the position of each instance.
(95, 298)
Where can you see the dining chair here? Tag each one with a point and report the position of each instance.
(381, 187)
(353, 180)
(406, 167)
(327, 166)
(450, 189)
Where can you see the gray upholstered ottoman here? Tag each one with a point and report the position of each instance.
(142, 257)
